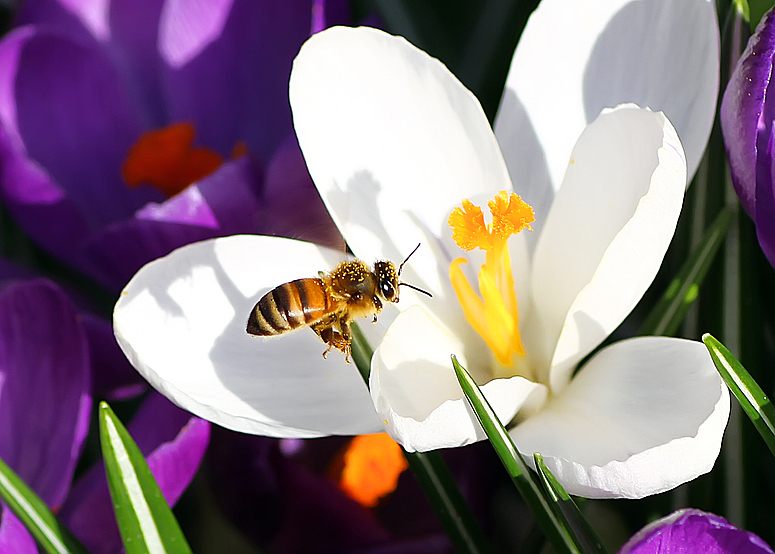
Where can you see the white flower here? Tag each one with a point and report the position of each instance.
(394, 144)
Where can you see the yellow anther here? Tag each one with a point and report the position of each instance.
(493, 312)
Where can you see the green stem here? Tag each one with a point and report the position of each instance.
(434, 477)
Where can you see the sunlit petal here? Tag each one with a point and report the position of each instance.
(641, 417)
(658, 54)
(607, 232)
(393, 141)
(181, 322)
(417, 394)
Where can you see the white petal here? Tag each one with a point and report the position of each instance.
(643, 416)
(417, 395)
(607, 232)
(393, 142)
(181, 322)
(576, 58)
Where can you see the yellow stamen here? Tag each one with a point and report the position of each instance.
(495, 315)
(372, 465)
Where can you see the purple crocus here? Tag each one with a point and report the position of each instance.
(45, 402)
(748, 123)
(688, 531)
(96, 98)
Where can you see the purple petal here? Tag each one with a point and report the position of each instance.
(176, 442)
(291, 204)
(114, 377)
(76, 121)
(223, 203)
(327, 13)
(45, 386)
(743, 107)
(691, 530)
(245, 61)
(765, 187)
(317, 515)
(14, 537)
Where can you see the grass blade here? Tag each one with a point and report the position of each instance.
(669, 312)
(755, 403)
(567, 509)
(144, 518)
(47, 530)
(556, 529)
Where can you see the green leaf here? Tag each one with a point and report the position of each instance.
(47, 530)
(433, 475)
(757, 9)
(144, 518)
(670, 311)
(743, 9)
(556, 529)
(755, 403)
(567, 509)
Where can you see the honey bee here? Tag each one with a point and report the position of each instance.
(329, 302)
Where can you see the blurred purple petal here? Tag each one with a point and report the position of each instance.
(176, 442)
(691, 530)
(113, 375)
(79, 17)
(319, 517)
(186, 28)
(288, 181)
(44, 386)
(14, 537)
(74, 118)
(223, 203)
(83, 80)
(246, 63)
(327, 13)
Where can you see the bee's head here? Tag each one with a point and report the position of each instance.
(387, 280)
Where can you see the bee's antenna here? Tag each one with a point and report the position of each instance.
(400, 267)
(418, 289)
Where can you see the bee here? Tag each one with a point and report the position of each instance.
(329, 302)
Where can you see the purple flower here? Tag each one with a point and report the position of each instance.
(96, 99)
(747, 120)
(688, 531)
(45, 402)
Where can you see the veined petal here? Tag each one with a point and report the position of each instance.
(14, 536)
(393, 141)
(658, 54)
(181, 322)
(45, 386)
(607, 232)
(643, 416)
(415, 391)
(742, 110)
(690, 530)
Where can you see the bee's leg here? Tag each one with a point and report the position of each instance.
(325, 330)
(377, 308)
(347, 338)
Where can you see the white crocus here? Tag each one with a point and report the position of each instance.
(395, 143)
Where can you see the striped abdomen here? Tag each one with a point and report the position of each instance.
(290, 306)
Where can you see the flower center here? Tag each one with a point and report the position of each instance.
(167, 160)
(494, 314)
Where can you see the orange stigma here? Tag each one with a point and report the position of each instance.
(167, 160)
(493, 312)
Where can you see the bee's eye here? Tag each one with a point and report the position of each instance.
(387, 289)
